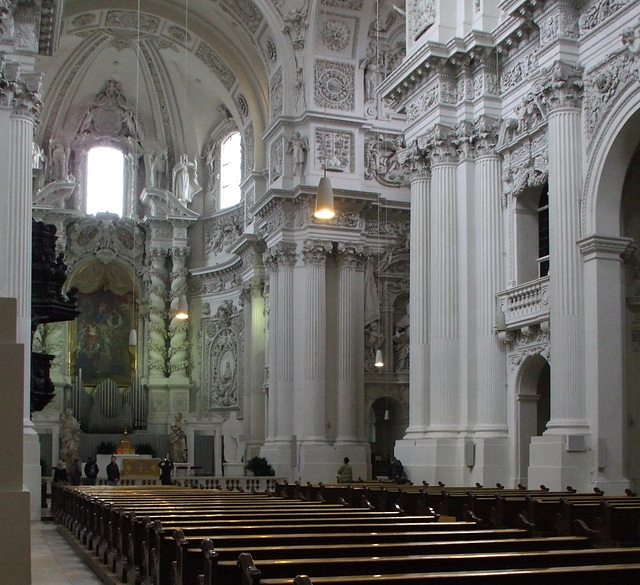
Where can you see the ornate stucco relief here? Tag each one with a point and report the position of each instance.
(215, 63)
(421, 14)
(276, 95)
(335, 150)
(334, 85)
(244, 11)
(276, 159)
(222, 339)
(381, 161)
(220, 232)
(529, 342)
(598, 12)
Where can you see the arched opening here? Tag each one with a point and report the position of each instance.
(387, 427)
(533, 405)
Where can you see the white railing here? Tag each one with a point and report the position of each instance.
(525, 304)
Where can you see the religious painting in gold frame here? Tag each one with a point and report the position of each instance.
(99, 337)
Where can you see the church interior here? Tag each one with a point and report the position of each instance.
(294, 231)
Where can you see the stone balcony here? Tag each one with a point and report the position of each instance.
(523, 305)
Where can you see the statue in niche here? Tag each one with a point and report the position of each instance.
(298, 145)
(69, 434)
(177, 441)
(182, 178)
(234, 439)
(59, 160)
(39, 166)
(372, 67)
(156, 168)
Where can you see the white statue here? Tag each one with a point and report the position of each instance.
(234, 440)
(178, 441)
(298, 145)
(69, 434)
(182, 178)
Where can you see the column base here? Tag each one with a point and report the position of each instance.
(233, 469)
(320, 461)
(555, 462)
(432, 460)
(278, 455)
(32, 471)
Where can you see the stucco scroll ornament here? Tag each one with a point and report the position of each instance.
(560, 86)
(631, 40)
(6, 19)
(381, 160)
(296, 27)
(416, 163)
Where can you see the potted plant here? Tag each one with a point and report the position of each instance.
(259, 466)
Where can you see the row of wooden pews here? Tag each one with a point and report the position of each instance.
(327, 534)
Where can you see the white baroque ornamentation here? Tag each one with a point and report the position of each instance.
(157, 289)
(222, 231)
(557, 25)
(222, 338)
(524, 68)
(248, 146)
(215, 283)
(275, 94)
(129, 19)
(350, 4)
(526, 166)
(216, 64)
(421, 14)
(295, 25)
(381, 160)
(335, 150)
(336, 34)
(599, 12)
(178, 353)
(523, 345)
(602, 88)
(245, 11)
(276, 158)
(440, 92)
(334, 85)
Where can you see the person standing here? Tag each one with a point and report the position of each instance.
(165, 471)
(60, 473)
(113, 472)
(91, 471)
(75, 473)
(345, 473)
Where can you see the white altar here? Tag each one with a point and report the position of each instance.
(104, 460)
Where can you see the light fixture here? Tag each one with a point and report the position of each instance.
(183, 309)
(387, 415)
(133, 337)
(379, 361)
(324, 199)
(324, 196)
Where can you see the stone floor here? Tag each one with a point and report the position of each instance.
(54, 561)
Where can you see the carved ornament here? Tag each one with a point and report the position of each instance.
(334, 85)
(381, 159)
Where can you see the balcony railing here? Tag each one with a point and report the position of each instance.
(524, 305)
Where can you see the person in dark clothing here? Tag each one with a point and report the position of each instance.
(113, 472)
(91, 471)
(397, 472)
(60, 473)
(75, 473)
(165, 471)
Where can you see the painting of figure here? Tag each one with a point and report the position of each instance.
(101, 345)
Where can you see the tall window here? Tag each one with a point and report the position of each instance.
(105, 181)
(230, 172)
(543, 232)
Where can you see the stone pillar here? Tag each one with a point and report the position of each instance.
(350, 348)
(157, 307)
(179, 358)
(490, 425)
(271, 266)
(281, 399)
(312, 401)
(605, 387)
(561, 88)
(443, 285)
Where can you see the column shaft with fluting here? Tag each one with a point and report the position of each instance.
(350, 348)
(314, 382)
(271, 266)
(419, 298)
(491, 413)
(562, 90)
(443, 296)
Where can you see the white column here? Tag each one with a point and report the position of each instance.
(491, 414)
(272, 269)
(157, 307)
(419, 298)
(568, 409)
(605, 387)
(350, 348)
(312, 402)
(178, 328)
(443, 291)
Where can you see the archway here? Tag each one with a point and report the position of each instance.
(533, 407)
(387, 425)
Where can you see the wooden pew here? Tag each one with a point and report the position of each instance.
(248, 573)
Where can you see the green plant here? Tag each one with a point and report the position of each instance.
(106, 448)
(145, 449)
(259, 466)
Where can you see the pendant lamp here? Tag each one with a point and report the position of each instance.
(183, 309)
(379, 361)
(324, 200)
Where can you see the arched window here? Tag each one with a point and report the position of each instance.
(230, 171)
(543, 232)
(105, 181)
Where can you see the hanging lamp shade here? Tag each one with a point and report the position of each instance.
(379, 362)
(133, 338)
(387, 415)
(324, 200)
(183, 309)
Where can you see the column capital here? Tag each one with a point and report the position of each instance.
(180, 254)
(20, 91)
(282, 254)
(485, 136)
(316, 251)
(598, 246)
(560, 86)
(351, 255)
(415, 162)
(440, 145)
